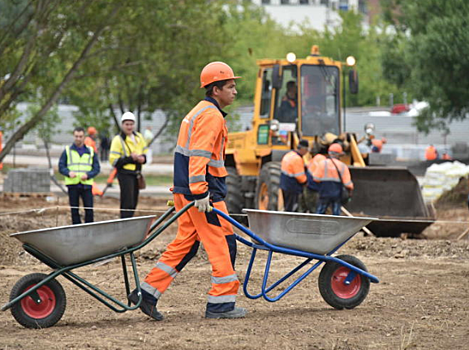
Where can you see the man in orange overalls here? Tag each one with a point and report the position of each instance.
(199, 174)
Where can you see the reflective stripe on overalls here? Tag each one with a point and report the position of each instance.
(79, 165)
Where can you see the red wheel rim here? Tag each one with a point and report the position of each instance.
(44, 308)
(342, 290)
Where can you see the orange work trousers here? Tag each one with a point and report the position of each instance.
(216, 234)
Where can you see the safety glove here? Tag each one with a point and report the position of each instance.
(203, 205)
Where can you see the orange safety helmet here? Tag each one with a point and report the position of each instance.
(216, 71)
(92, 130)
(336, 148)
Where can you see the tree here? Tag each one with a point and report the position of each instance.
(156, 64)
(433, 43)
(106, 55)
(41, 48)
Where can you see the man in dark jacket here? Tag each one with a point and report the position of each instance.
(79, 164)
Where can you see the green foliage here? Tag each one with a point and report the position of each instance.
(433, 51)
(110, 56)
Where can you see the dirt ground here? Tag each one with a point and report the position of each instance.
(421, 301)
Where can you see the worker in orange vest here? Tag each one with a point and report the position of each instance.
(431, 153)
(331, 186)
(377, 145)
(90, 140)
(293, 177)
(446, 156)
(199, 175)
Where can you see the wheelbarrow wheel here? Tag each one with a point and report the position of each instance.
(45, 314)
(333, 289)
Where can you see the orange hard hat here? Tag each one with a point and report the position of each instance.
(92, 130)
(336, 148)
(216, 71)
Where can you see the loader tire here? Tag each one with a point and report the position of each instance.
(30, 314)
(234, 199)
(268, 193)
(333, 289)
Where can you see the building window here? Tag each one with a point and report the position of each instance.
(304, 2)
(266, 2)
(285, 2)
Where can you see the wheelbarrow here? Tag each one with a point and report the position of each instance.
(38, 300)
(344, 281)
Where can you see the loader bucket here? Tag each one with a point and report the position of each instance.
(393, 195)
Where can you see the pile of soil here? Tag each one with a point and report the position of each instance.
(456, 197)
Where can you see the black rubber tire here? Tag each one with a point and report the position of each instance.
(269, 177)
(49, 313)
(234, 199)
(349, 296)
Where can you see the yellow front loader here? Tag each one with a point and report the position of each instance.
(302, 99)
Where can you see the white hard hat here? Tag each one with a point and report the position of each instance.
(127, 116)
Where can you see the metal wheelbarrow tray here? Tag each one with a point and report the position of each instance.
(68, 245)
(308, 232)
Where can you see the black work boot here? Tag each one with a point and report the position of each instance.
(147, 307)
(237, 312)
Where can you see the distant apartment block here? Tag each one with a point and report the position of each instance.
(318, 13)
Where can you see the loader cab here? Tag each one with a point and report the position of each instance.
(320, 100)
(302, 99)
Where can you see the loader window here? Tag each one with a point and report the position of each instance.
(266, 94)
(320, 100)
(287, 97)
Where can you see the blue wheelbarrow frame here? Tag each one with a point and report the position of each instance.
(271, 249)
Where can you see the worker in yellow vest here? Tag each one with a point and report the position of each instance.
(79, 164)
(127, 155)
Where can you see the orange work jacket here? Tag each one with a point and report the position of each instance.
(431, 153)
(293, 175)
(199, 165)
(91, 143)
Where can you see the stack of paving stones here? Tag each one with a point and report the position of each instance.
(29, 180)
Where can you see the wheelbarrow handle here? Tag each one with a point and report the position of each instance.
(241, 227)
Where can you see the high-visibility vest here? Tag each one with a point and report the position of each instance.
(311, 167)
(327, 174)
(327, 171)
(79, 165)
(121, 147)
